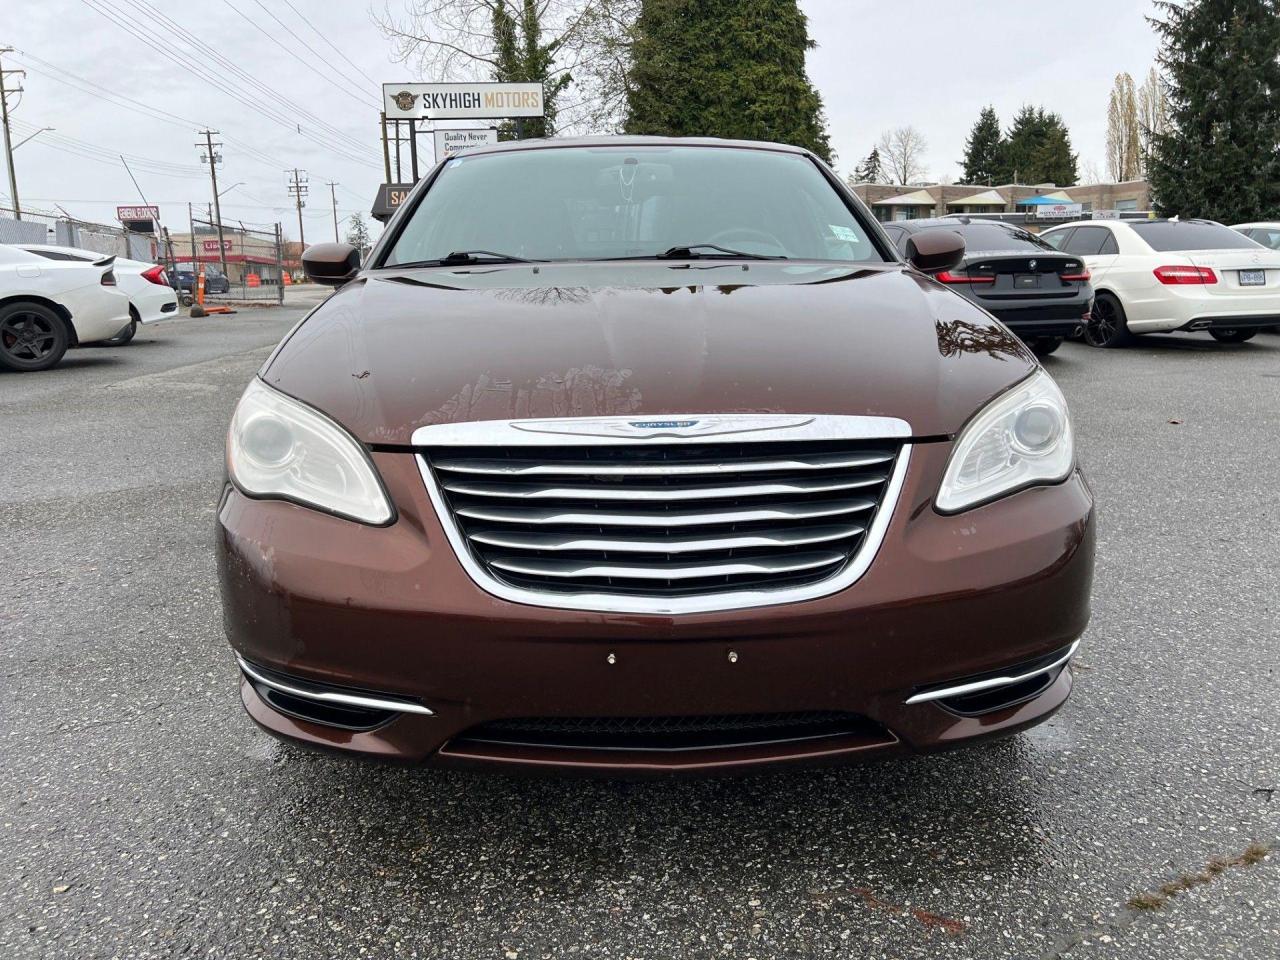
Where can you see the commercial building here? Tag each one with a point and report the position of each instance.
(903, 202)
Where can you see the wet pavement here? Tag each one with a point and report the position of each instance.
(142, 815)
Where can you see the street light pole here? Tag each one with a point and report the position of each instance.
(8, 141)
(214, 158)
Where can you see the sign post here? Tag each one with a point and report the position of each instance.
(411, 102)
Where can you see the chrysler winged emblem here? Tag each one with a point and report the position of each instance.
(404, 100)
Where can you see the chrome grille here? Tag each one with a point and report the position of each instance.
(672, 521)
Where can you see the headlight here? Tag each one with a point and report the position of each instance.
(1023, 437)
(280, 448)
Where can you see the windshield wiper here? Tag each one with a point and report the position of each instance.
(460, 258)
(687, 251)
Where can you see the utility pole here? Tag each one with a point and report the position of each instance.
(334, 197)
(213, 158)
(8, 142)
(298, 190)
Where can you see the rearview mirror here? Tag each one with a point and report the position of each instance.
(331, 263)
(932, 251)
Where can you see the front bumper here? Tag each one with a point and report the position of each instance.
(391, 610)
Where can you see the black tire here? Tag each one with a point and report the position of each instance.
(1106, 326)
(1233, 336)
(1043, 346)
(32, 337)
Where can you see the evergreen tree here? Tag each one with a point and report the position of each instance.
(984, 150)
(521, 56)
(1218, 158)
(1038, 149)
(358, 234)
(724, 68)
(870, 170)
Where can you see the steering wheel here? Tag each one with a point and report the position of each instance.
(746, 233)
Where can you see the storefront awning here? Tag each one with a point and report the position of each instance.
(1046, 198)
(920, 198)
(984, 199)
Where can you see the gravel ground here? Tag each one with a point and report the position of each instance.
(142, 815)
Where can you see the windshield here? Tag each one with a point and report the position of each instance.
(595, 203)
(979, 237)
(1168, 235)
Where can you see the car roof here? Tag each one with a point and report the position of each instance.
(1262, 224)
(924, 223)
(13, 253)
(513, 146)
(79, 251)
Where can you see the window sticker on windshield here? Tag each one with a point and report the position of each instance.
(453, 163)
(846, 234)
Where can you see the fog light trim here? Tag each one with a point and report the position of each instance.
(324, 695)
(989, 683)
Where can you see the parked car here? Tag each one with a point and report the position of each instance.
(1267, 234)
(146, 284)
(672, 464)
(215, 281)
(1038, 293)
(1155, 276)
(48, 306)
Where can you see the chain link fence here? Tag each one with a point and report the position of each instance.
(246, 263)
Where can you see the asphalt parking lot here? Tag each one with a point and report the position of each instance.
(144, 816)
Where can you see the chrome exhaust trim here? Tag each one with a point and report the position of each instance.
(962, 689)
(322, 695)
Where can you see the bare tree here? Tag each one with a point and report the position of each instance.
(583, 48)
(902, 153)
(1090, 172)
(1122, 130)
(1153, 114)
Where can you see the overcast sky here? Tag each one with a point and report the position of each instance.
(877, 65)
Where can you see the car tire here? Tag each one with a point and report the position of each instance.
(32, 337)
(1106, 326)
(125, 335)
(1233, 336)
(1043, 346)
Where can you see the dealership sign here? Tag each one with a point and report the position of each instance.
(390, 196)
(1058, 211)
(461, 101)
(451, 142)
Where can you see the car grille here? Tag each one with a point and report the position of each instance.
(664, 520)
(669, 733)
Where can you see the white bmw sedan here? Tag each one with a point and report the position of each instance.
(147, 285)
(47, 306)
(1155, 276)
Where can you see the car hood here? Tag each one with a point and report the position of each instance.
(391, 352)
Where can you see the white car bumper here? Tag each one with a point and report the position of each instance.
(1190, 308)
(97, 312)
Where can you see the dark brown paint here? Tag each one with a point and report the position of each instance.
(391, 609)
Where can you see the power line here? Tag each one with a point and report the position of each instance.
(198, 46)
(326, 77)
(183, 61)
(298, 13)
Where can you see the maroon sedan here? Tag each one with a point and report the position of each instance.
(638, 456)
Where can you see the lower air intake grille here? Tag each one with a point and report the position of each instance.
(670, 733)
(669, 521)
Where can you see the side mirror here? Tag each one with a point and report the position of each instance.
(932, 251)
(331, 263)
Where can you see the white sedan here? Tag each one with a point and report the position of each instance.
(150, 296)
(1266, 233)
(47, 306)
(1154, 276)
